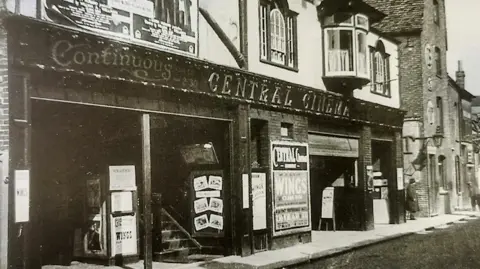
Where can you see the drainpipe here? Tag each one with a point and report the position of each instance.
(243, 29)
(237, 55)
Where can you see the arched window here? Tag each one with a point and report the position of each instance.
(380, 73)
(278, 33)
(277, 36)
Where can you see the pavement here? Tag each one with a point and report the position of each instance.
(324, 244)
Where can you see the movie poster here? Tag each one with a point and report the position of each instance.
(168, 24)
(291, 187)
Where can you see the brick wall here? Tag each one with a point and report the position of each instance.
(420, 84)
(272, 121)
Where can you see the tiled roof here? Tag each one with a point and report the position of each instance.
(402, 15)
(476, 101)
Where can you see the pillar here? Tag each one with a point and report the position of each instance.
(365, 160)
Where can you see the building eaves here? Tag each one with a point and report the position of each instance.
(403, 16)
(464, 94)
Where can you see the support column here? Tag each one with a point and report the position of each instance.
(147, 192)
(19, 244)
(397, 205)
(241, 218)
(365, 159)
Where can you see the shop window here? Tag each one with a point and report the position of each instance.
(278, 33)
(346, 44)
(438, 61)
(436, 12)
(380, 70)
(286, 130)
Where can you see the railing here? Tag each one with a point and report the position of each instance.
(339, 61)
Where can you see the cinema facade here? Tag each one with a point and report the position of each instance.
(130, 153)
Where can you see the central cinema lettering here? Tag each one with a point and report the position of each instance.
(121, 61)
(265, 92)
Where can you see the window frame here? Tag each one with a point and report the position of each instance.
(385, 87)
(436, 12)
(328, 24)
(438, 61)
(291, 35)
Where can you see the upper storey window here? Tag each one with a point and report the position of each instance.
(346, 45)
(380, 70)
(278, 34)
(436, 12)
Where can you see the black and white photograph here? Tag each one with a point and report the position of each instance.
(239, 134)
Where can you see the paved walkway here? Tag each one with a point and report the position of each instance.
(324, 243)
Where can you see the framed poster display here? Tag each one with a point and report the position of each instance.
(290, 187)
(207, 203)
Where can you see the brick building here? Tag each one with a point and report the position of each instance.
(433, 101)
(225, 121)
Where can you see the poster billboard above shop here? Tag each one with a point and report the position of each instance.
(166, 24)
(290, 187)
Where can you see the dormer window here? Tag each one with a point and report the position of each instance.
(278, 34)
(346, 45)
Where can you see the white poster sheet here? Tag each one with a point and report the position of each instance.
(216, 222)
(200, 183)
(206, 194)
(122, 201)
(245, 192)
(22, 195)
(124, 235)
(122, 177)
(216, 205)
(327, 203)
(259, 201)
(215, 182)
(201, 222)
(400, 180)
(200, 205)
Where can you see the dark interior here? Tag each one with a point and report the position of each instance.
(72, 142)
(324, 171)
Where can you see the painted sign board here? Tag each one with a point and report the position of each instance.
(22, 195)
(327, 203)
(290, 187)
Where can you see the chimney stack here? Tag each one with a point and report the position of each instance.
(460, 76)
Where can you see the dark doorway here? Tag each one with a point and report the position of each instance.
(72, 144)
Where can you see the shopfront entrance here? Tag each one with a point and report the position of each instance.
(333, 164)
(77, 214)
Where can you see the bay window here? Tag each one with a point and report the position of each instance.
(346, 45)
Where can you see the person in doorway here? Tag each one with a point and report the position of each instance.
(474, 195)
(412, 199)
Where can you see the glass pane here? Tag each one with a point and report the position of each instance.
(362, 21)
(346, 48)
(362, 54)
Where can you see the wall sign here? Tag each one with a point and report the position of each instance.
(166, 24)
(259, 201)
(290, 187)
(327, 203)
(124, 235)
(22, 195)
(122, 177)
(400, 180)
(42, 45)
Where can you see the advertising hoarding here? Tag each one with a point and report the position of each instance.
(290, 187)
(166, 24)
